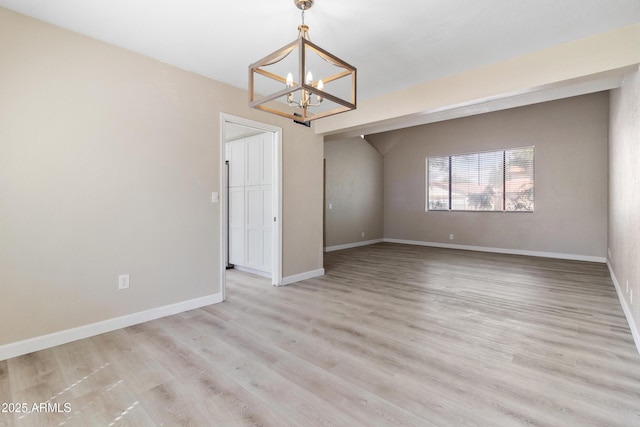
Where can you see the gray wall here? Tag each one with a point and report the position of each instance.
(354, 188)
(571, 173)
(107, 164)
(624, 193)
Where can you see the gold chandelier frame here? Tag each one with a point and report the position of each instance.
(299, 84)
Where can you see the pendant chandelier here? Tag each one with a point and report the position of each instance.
(284, 82)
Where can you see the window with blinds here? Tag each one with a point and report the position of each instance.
(489, 181)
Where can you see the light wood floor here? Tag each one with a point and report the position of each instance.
(393, 335)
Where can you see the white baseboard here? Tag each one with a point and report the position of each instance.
(252, 271)
(625, 308)
(501, 250)
(302, 276)
(352, 245)
(30, 345)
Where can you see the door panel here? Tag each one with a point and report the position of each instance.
(237, 166)
(236, 226)
(258, 227)
(255, 162)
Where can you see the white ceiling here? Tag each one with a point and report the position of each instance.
(394, 44)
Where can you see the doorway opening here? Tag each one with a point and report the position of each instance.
(251, 198)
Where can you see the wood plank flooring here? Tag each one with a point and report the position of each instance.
(392, 335)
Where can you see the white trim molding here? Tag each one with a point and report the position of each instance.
(30, 345)
(625, 308)
(352, 245)
(264, 274)
(556, 255)
(302, 276)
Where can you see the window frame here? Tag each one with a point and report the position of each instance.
(504, 181)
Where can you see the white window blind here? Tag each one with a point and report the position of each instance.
(518, 177)
(488, 181)
(477, 181)
(438, 182)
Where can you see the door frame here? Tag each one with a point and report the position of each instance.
(276, 202)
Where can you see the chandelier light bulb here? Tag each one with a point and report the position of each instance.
(289, 80)
(309, 78)
(320, 87)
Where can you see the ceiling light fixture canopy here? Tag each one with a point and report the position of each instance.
(287, 76)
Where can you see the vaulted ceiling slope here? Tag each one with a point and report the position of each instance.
(394, 45)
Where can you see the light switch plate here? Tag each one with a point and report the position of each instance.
(123, 281)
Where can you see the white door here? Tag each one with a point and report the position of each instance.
(250, 199)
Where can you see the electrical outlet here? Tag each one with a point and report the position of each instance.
(450, 236)
(123, 281)
(363, 234)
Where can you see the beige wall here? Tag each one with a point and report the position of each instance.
(302, 165)
(570, 217)
(354, 188)
(624, 194)
(107, 164)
